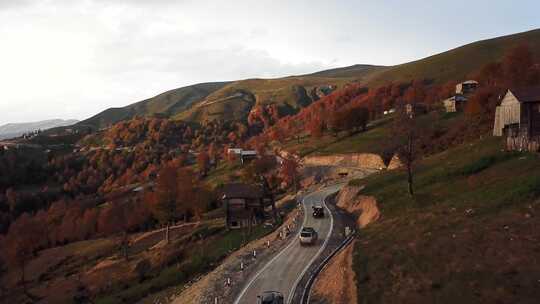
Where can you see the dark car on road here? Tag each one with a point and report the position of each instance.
(270, 297)
(318, 211)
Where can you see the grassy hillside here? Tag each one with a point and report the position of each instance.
(469, 235)
(234, 100)
(355, 71)
(456, 64)
(168, 104)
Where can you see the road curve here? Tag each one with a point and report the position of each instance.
(283, 272)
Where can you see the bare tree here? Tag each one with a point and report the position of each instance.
(410, 133)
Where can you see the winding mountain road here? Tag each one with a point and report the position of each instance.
(283, 272)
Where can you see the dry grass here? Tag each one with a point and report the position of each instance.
(469, 235)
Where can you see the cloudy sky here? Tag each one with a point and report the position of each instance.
(72, 59)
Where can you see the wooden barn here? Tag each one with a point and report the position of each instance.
(247, 205)
(466, 87)
(455, 103)
(412, 109)
(518, 119)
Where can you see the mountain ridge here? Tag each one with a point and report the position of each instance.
(197, 103)
(11, 130)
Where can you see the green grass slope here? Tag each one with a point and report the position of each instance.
(469, 235)
(456, 64)
(168, 104)
(357, 71)
(236, 99)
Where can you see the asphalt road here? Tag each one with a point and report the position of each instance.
(285, 269)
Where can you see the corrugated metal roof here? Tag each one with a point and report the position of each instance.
(529, 94)
(239, 190)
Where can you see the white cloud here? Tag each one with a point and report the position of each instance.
(72, 59)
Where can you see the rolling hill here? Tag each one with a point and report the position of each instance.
(233, 100)
(458, 63)
(11, 130)
(168, 104)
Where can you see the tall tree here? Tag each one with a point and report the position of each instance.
(23, 239)
(203, 161)
(290, 171)
(186, 194)
(516, 65)
(162, 201)
(408, 138)
(112, 220)
(315, 127)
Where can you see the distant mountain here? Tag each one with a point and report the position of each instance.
(235, 99)
(168, 104)
(11, 130)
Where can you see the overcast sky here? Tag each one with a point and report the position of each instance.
(73, 59)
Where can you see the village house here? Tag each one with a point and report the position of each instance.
(518, 119)
(247, 205)
(236, 151)
(466, 87)
(415, 108)
(245, 156)
(455, 103)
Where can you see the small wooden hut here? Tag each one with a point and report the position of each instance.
(518, 119)
(247, 205)
(466, 87)
(455, 103)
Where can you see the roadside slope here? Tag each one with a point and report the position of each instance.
(469, 234)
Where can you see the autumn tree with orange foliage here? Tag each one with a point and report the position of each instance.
(20, 245)
(349, 119)
(186, 195)
(114, 220)
(290, 171)
(517, 66)
(316, 127)
(162, 201)
(203, 162)
(276, 134)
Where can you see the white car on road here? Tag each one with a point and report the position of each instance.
(308, 236)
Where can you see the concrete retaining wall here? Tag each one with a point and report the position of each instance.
(360, 160)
